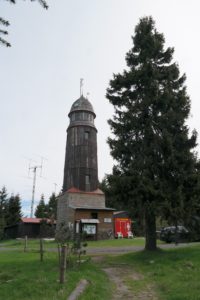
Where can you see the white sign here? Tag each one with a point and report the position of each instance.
(107, 220)
(89, 229)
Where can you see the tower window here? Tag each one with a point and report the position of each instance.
(86, 116)
(73, 117)
(94, 215)
(87, 179)
(91, 118)
(86, 135)
(78, 116)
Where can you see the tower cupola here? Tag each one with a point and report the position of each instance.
(81, 113)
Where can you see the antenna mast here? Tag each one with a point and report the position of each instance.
(81, 87)
(34, 168)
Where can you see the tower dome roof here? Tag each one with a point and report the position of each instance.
(82, 104)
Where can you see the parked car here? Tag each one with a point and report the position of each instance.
(173, 234)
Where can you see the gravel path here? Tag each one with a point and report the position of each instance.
(127, 249)
(120, 276)
(109, 250)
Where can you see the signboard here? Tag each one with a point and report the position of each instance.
(89, 228)
(107, 220)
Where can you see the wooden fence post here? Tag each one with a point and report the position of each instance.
(25, 243)
(41, 249)
(63, 263)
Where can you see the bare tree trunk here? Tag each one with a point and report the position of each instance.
(41, 249)
(25, 243)
(150, 231)
(63, 263)
(59, 255)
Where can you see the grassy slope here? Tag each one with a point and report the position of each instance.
(175, 274)
(34, 243)
(23, 276)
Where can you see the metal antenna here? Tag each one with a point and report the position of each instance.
(42, 162)
(29, 164)
(34, 168)
(81, 87)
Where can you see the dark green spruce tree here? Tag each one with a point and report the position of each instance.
(116, 197)
(157, 169)
(3, 208)
(4, 23)
(110, 188)
(52, 207)
(41, 210)
(13, 212)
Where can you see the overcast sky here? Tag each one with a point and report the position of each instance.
(40, 74)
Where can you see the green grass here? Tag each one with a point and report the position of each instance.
(23, 276)
(117, 242)
(33, 244)
(174, 274)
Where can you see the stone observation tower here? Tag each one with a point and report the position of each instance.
(81, 148)
(82, 204)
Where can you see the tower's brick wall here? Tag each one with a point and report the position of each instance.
(87, 200)
(66, 214)
(61, 208)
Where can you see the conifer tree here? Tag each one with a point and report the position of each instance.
(111, 195)
(3, 206)
(6, 23)
(13, 212)
(41, 209)
(52, 206)
(156, 168)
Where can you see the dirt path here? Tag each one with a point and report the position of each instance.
(127, 249)
(123, 289)
(106, 250)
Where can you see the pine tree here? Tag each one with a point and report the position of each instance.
(113, 199)
(5, 23)
(156, 168)
(13, 213)
(41, 210)
(3, 206)
(52, 207)
(116, 195)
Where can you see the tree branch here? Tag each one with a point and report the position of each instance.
(4, 42)
(6, 23)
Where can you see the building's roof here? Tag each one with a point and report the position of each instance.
(82, 104)
(75, 190)
(122, 213)
(85, 207)
(35, 220)
(119, 212)
(31, 220)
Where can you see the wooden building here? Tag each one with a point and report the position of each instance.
(82, 204)
(86, 211)
(31, 227)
